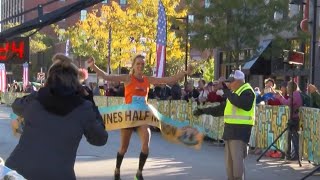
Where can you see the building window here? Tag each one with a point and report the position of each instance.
(207, 3)
(277, 16)
(83, 15)
(206, 20)
(293, 10)
(123, 2)
(105, 2)
(191, 18)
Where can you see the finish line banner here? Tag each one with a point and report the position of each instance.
(139, 113)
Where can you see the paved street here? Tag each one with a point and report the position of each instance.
(167, 161)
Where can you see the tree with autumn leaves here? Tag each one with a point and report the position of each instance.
(133, 31)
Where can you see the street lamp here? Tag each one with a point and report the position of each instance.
(187, 42)
(314, 40)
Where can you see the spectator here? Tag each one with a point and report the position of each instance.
(120, 91)
(283, 89)
(151, 93)
(156, 91)
(55, 118)
(294, 102)
(162, 92)
(315, 95)
(176, 92)
(190, 93)
(203, 93)
(214, 94)
(268, 93)
(111, 90)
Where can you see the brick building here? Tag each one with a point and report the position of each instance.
(14, 7)
(10, 8)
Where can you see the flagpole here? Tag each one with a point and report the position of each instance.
(186, 45)
(109, 50)
(187, 48)
(165, 62)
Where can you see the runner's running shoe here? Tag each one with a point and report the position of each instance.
(138, 177)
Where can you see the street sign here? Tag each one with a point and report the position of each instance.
(41, 76)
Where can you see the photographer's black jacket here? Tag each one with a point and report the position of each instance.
(54, 126)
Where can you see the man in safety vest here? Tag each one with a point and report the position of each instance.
(239, 117)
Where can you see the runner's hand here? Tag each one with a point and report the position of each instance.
(91, 62)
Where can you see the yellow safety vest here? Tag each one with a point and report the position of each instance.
(235, 115)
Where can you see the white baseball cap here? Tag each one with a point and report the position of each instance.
(236, 75)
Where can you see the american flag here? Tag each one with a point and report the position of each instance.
(161, 40)
(25, 75)
(3, 77)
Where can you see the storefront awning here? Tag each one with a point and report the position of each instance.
(257, 65)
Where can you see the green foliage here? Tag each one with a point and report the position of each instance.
(208, 70)
(39, 42)
(234, 25)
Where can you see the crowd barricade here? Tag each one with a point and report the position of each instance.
(270, 122)
(9, 97)
(310, 134)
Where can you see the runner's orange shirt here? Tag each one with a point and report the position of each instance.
(136, 88)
